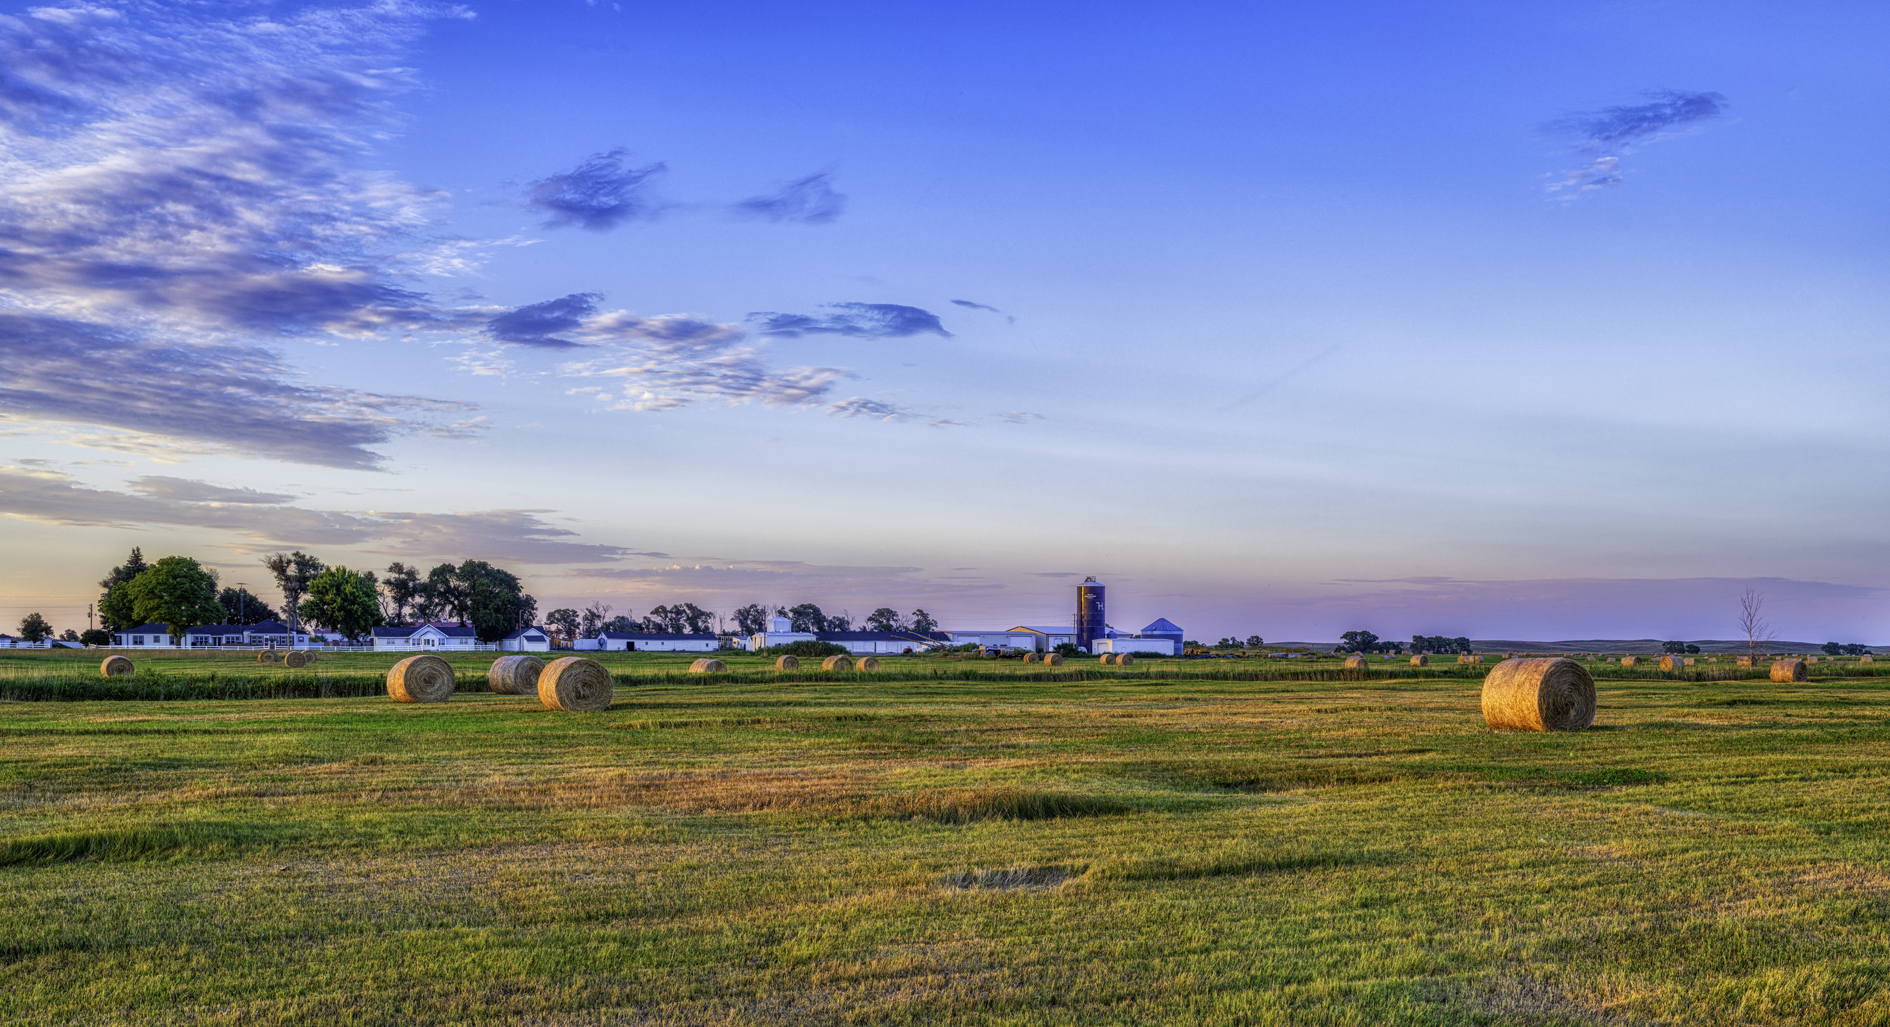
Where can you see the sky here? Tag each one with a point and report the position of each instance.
(1507, 321)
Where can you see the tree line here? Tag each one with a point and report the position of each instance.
(181, 594)
(1366, 642)
(752, 619)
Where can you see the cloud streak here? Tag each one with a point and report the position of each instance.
(857, 320)
(599, 194)
(1604, 137)
(810, 201)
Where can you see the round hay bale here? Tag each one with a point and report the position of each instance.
(1053, 659)
(1124, 659)
(1032, 658)
(707, 666)
(837, 663)
(575, 685)
(788, 663)
(1673, 663)
(1420, 660)
(115, 666)
(296, 660)
(308, 655)
(1691, 660)
(1539, 695)
(1356, 663)
(1865, 659)
(420, 679)
(867, 663)
(515, 675)
(1744, 661)
(1628, 661)
(1811, 659)
(1107, 659)
(1788, 670)
(266, 656)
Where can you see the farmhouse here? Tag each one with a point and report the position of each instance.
(426, 636)
(148, 636)
(658, 642)
(527, 640)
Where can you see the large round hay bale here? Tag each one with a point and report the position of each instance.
(296, 660)
(1420, 660)
(115, 666)
(1628, 661)
(837, 663)
(1788, 670)
(1107, 659)
(1549, 694)
(707, 666)
(1356, 663)
(515, 675)
(1032, 658)
(787, 663)
(1053, 659)
(1673, 663)
(575, 684)
(867, 663)
(266, 656)
(420, 679)
(1865, 659)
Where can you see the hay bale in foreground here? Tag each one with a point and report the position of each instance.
(115, 666)
(266, 656)
(1629, 661)
(1788, 670)
(1053, 659)
(1032, 658)
(1551, 694)
(788, 663)
(575, 685)
(866, 663)
(707, 666)
(419, 679)
(837, 663)
(296, 660)
(515, 675)
(1673, 663)
(1356, 663)
(1420, 660)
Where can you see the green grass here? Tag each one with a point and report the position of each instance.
(942, 842)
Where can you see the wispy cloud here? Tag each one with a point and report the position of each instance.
(811, 200)
(260, 521)
(599, 194)
(860, 320)
(1603, 137)
(536, 323)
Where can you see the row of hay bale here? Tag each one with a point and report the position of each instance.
(833, 663)
(294, 659)
(573, 684)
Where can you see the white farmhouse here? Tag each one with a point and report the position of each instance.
(427, 637)
(658, 642)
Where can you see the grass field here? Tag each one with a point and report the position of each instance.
(943, 842)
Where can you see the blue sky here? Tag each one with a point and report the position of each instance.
(1545, 322)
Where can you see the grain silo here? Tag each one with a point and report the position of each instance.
(1089, 613)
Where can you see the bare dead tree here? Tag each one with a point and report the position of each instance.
(1752, 622)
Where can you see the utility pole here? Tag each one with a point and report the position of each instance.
(242, 603)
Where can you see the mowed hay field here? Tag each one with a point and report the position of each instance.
(942, 842)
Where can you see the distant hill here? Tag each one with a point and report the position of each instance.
(1634, 646)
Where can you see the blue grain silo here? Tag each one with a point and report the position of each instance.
(1089, 613)
(1164, 628)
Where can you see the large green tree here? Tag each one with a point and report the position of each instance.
(293, 572)
(114, 605)
(33, 628)
(241, 606)
(403, 588)
(341, 600)
(495, 602)
(177, 593)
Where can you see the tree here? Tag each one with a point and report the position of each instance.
(445, 595)
(242, 607)
(402, 586)
(115, 613)
(1830, 648)
(1440, 644)
(341, 600)
(592, 620)
(95, 636)
(884, 619)
(923, 623)
(621, 622)
(177, 593)
(1358, 642)
(33, 628)
(807, 617)
(695, 619)
(752, 619)
(564, 621)
(1673, 647)
(293, 572)
(842, 621)
(1255, 641)
(1752, 622)
(1692, 650)
(495, 601)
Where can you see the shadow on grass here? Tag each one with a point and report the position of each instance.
(973, 805)
(1232, 864)
(210, 838)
